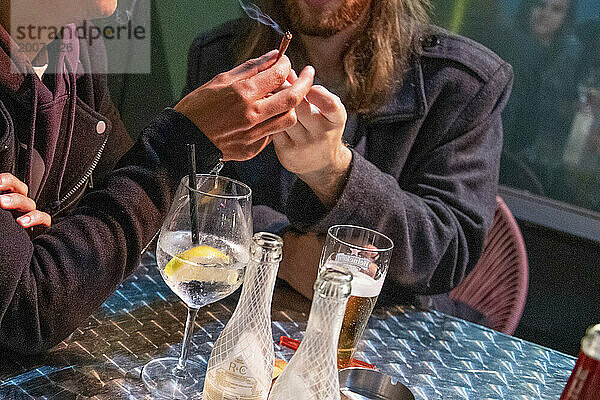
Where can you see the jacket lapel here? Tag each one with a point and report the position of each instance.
(383, 128)
(13, 67)
(408, 102)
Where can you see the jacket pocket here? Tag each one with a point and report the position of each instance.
(7, 141)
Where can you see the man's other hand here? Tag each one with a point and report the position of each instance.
(13, 197)
(240, 109)
(313, 147)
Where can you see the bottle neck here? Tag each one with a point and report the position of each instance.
(259, 282)
(325, 321)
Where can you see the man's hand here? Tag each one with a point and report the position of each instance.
(13, 196)
(313, 148)
(239, 109)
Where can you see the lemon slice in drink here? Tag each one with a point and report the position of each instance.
(278, 367)
(201, 263)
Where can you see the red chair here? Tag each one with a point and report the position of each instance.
(497, 286)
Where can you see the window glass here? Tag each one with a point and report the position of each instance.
(552, 122)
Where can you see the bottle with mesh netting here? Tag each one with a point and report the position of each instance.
(312, 372)
(241, 362)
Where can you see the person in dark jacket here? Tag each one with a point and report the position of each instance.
(65, 155)
(408, 145)
(583, 155)
(543, 51)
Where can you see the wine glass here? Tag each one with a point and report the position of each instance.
(202, 252)
(366, 254)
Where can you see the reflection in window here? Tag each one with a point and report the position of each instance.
(552, 122)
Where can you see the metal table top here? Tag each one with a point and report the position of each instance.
(436, 356)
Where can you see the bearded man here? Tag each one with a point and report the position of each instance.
(403, 135)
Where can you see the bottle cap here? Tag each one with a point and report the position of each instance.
(591, 342)
(266, 247)
(334, 282)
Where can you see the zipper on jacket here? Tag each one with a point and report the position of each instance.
(85, 176)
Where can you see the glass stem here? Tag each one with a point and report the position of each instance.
(187, 336)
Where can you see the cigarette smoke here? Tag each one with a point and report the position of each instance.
(255, 13)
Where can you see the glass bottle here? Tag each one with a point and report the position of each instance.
(241, 362)
(584, 383)
(312, 372)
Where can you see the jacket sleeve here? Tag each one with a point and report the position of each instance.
(438, 211)
(50, 285)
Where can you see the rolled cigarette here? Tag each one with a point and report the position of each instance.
(285, 42)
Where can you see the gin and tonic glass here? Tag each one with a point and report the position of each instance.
(201, 267)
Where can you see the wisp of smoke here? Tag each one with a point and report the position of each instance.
(255, 13)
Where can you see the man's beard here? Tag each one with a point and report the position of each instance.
(326, 23)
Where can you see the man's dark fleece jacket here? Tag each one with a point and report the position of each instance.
(59, 136)
(425, 165)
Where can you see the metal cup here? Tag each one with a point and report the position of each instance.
(367, 384)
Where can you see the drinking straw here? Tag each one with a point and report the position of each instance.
(192, 184)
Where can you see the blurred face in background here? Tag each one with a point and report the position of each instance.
(324, 18)
(549, 17)
(58, 13)
(97, 8)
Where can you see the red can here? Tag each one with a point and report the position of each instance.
(584, 383)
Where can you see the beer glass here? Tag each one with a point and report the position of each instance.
(366, 254)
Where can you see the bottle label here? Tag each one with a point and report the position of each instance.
(232, 381)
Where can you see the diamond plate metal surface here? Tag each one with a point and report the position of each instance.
(436, 356)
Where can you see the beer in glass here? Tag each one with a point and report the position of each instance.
(366, 254)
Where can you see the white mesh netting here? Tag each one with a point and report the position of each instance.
(312, 372)
(241, 363)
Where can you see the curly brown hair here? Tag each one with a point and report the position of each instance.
(375, 60)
